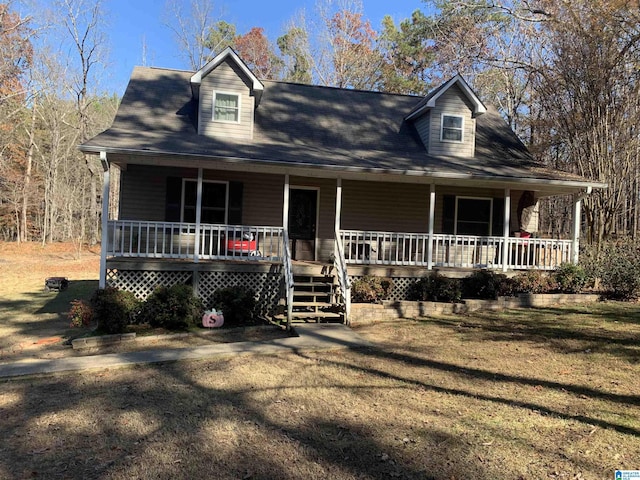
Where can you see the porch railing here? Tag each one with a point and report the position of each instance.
(461, 251)
(343, 277)
(288, 277)
(131, 238)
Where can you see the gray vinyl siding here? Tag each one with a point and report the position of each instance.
(387, 207)
(423, 126)
(143, 193)
(229, 79)
(453, 102)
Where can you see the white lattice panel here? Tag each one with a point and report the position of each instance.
(142, 283)
(267, 286)
(400, 286)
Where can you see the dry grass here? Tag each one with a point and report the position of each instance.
(28, 315)
(528, 394)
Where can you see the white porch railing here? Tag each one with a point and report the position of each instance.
(344, 282)
(461, 251)
(131, 238)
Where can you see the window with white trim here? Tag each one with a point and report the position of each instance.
(452, 126)
(473, 216)
(226, 107)
(214, 202)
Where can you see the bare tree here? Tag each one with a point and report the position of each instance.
(191, 24)
(83, 22)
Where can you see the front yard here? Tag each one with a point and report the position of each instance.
(542, 393)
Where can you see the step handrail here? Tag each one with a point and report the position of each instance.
(343, 277)
(288, 275)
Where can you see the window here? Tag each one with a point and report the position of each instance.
(226, 107)
(451, 128)
(214, 202)
(473, 216)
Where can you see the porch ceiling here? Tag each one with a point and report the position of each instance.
(544, 185)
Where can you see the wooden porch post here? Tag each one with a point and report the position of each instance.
(432, 214)
(285, 203)
(505, 229)
(338, 212)
(577, 220)
(105, 221)
(196, 247)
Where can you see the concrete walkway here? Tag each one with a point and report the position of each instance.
(310, 337)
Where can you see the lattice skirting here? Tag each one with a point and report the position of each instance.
(400, 288)
(267, 285)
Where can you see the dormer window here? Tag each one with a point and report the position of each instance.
(451, 128)
(226, 107)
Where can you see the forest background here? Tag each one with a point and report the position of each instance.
(564, 74)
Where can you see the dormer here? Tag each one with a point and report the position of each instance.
(227, 93)
(446, 119)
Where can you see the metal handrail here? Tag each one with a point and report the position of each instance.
(343, 277)
(288, 275)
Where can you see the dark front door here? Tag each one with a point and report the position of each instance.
(303, 205)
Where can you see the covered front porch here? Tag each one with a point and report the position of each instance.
(189, 241)
(241, 227)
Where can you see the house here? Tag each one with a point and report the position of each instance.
(228, 179)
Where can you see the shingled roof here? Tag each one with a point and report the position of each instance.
(311, 126)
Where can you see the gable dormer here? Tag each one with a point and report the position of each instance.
(227, 93)
(446, 119)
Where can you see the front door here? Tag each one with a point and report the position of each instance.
(303, 207)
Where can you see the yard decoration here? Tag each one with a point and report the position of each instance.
(213, 319)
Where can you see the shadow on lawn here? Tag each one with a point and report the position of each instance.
(177, 411)
(534, 326)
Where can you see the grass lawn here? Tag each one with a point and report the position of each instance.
(530, 394)
(28, 314)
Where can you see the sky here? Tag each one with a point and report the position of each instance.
(134, 22)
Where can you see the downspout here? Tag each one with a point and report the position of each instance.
(104, 242)
(577, 220)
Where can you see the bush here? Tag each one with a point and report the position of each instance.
(237, 304)
(80, 314)
(173, 308)
(370, 289)
(114, 309)
(486, 284)
(619, 267)
(436, 288)
(570, 278)
(532, 281)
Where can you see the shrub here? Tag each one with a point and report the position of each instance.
(486, 284)
(619, 268)
(237, 304)
(570, 278)
(174, 308)
(532, 281)
(436, 288)
(114, 309)
(80, 314)
(371, 289)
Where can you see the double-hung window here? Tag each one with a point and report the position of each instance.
(214, 202)
(473, 216)
(451, 128)
(226, 107)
